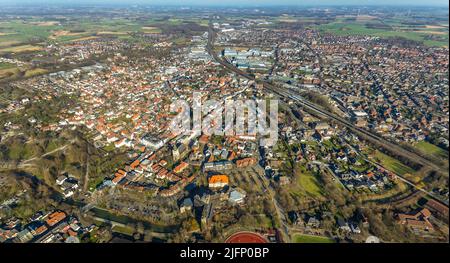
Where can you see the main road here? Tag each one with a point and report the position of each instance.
(295, 96)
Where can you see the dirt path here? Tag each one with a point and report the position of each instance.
(44, 155)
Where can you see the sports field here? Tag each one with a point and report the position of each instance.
(246, 237)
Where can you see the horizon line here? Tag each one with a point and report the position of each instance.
(87, 4)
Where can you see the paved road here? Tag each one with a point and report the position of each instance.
(281, 214)
(86, 175)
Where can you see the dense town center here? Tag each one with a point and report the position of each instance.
(86, 153)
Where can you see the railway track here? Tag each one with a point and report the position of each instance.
(293, 95)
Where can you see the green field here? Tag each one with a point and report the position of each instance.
(431, 149)
(340, 27)
(34, 72)
(151, 30)
(310, 184)
(18, 49)
(9, 72)
(4, 65)
(129, 231)
(17, 31)
(393, 164)
(299, 238)
(307, 184)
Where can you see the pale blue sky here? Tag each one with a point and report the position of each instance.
(238, 2)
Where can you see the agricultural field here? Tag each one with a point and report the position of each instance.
(5, 65)
(9, 72)
(15, 72)
(430, 35)
(25, 39)
(151, 30)
(19, 49)
(18, 35)
(18, 31)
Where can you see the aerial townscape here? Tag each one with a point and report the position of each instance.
(87, 154)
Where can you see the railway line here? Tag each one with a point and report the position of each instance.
(295, 96)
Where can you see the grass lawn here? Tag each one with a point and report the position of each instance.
(310, 184)
(7, 43)
(431, 149)
(111, 33)
(67, 38)
(203, 22)
(298, 238)
(174, 21)
(11, 70)
(35, 72)
(93, 182)
(83, 38)
(129, 231)
(393, 164)
(109, 148)
(181, 41)
(264, 221)
(151, 30)
(9, 73)
(307, 184)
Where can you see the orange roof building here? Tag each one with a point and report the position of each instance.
(218, 181)
(245, 162)
(437, 207)
(119, 176)
(55, 218)
(135, 164)
(419, 220)
(41, 230)
(231, 156)
(72, 233)
(180, 168)
(203, 139)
